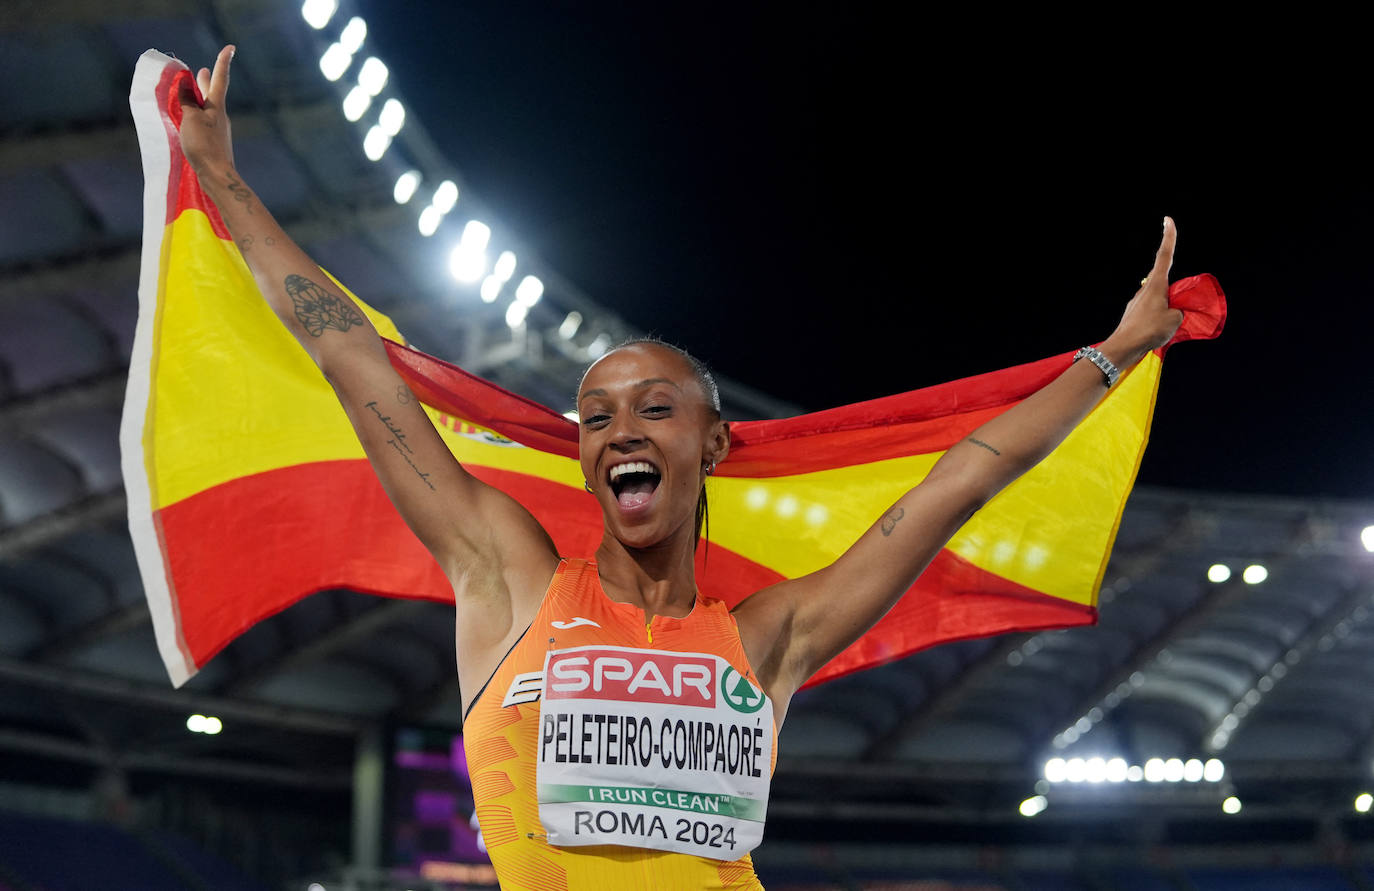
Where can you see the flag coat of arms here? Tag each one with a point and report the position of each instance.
(248, 489)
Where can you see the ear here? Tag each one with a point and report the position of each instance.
(718, 442)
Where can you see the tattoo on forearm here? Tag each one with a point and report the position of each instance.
(245, 243)
(891, 519)
(403, 395)
(978, 442)
(242, 194)
(398, 442)
(318, 309)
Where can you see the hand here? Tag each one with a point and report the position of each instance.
(205, 128)
(1148, 322)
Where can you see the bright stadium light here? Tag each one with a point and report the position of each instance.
(505, 266)
(1135, 773)
(529, 290)
(213, 725)
(476, 235)
(1367, 538)
(429, 220)
(196, 723)
(353, 35)
(1075, 770)
(1173, 770)
(406, 184)
(468, 262)
(491, 289)
(515, 314)
(1095, 770)
(571, 322)
(1193, 770)
(317, 13)
(597, 348)
(1056, 770)
(1363, 802)
(1213, 770)
(1254, 574)
(1231, 805)
(1116, 770)
(445, 196)
(1154, 770)
(1034, 805)
(335, 62)
(1218, 573)
(392, 116)
(372, 76)
(375, 143)
(355, 103)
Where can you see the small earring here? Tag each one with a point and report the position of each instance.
(588, 486)
(710, 468)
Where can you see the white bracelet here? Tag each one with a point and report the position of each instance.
(1094, 355)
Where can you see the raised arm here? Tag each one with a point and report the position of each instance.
(793, 628)
(495, 553)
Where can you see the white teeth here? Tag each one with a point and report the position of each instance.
(632, 467)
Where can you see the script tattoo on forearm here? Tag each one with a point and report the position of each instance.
(242, 194)
(318, 309)
(398, 442)
(891, 519)
(978, 442)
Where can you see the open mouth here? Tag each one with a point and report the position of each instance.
(634, 483)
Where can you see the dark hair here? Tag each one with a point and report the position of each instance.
(707, 381)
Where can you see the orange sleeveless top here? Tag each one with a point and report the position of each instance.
(503, 739)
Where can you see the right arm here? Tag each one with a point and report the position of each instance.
(497, 556)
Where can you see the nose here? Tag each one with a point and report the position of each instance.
(626, 435)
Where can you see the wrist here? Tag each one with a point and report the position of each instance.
(1121, 352)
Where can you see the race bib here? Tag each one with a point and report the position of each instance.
(653, 749)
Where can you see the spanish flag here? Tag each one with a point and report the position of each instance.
(248, 490)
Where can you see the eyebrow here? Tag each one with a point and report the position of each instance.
(597, 391)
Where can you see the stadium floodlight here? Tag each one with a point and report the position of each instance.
(1254, 574)
(476, 235)
(1218, 573)
(571, 322)
(1231, 805)
(1095, 770)
(355, 103)
(505, 266)
(1213, 770)
(1154, 770)
(213, 725)
(1075, 770)
(529, 290)
(353, 35)
(392, 117)
(1367, 538)
(1034, 805)
(1363, 802)
(196, 723)
(429, 220)
(1173, 770)
(1055, 770)
(375, 143)
(515, 314)
(335, 61)
(1116, 770)
(406, 184)
(491, 289)
(1193, 770)
(1135, 773)
(445, 196)
(468, 262)
(597, 348)
(372, 76)
(317, 13)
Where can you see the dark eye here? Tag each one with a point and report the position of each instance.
(657, 410)
(593, 421)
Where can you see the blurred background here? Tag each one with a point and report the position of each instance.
(827, 203)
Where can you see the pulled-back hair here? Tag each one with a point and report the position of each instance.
(707, 381)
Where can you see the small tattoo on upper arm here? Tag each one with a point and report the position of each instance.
(398, 442)
(269, 241)
(890, 520)
(979, 442)
(245, 242)
(318, 309)
(403, 395)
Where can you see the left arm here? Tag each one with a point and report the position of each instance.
(791, 629)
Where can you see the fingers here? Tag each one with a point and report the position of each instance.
(219, 80)
(1164, 257)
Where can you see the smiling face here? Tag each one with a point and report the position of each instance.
(648, 432)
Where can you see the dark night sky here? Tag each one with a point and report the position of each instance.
(829, 205)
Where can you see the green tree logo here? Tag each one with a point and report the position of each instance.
(738, 693)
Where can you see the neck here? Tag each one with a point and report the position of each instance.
(661, 580)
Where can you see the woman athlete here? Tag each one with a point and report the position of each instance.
(620, 726)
